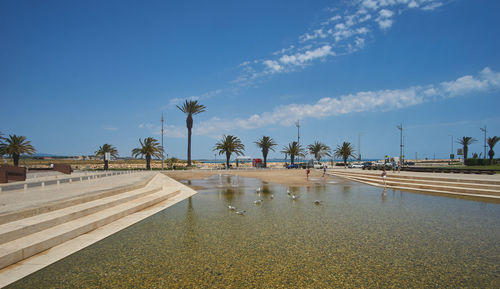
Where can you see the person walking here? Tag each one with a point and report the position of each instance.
(307, 173)
(384, 176)
(324, 170)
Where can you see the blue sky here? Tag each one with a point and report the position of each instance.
(77, 74)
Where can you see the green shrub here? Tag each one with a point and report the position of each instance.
(480, 162)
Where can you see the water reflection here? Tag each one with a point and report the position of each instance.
(358, 237)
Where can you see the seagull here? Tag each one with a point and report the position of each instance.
(272, 197)
(240, 212)
(231, 207)
(287, 191)
(258, 202)
(317, 202)
(294, 197)
(258, 190)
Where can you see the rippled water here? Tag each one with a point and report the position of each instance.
(357, 237)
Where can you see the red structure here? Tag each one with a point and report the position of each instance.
(12, 173)
(257, 163)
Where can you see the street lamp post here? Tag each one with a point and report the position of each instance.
(359, 145)
(451, 154)
(484, 130)
(400, 127)
(162, 148)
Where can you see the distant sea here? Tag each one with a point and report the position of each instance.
(221, 161)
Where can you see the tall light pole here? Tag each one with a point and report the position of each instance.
(297, 124)
(400, 127)
(451, 145)
(162, 148)
(359, 145)
(484, 130)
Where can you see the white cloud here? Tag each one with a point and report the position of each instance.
(341, 30)
(380, 100)
(273, 65)
(307, 56)
(432, 6)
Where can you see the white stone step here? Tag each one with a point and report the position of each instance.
(20, 228)
(446, 182)
(22, 248)
(441, 188)
(71, 201)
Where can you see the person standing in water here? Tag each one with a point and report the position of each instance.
(384, 176)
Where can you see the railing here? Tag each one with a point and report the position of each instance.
(57, 180)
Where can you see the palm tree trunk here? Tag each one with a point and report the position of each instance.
(189, 147)
(228, 156)
(292, 159)
(106, 162)
(189, 125)
(265, 159)
(148, 162)
(465, 152)
(15, 159)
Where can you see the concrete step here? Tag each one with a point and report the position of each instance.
(64, 203)
(27, 246)
(444, 182)
(422, 187)
(20, 228)
(453, 179)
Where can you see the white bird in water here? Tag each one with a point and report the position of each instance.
(240, 212)
(258, 202)
(258, 190)
(231, 207)
(317, 202)
(272, 197)
(294, 197)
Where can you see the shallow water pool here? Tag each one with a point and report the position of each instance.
(358, 236)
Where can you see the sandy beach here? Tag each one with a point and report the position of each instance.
(283, 177)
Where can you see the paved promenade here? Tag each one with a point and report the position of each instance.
(15, 200)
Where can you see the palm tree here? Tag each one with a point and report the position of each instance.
(106, 148)
(345, 151)
(319, 150)
(149, 148)
(190, 108)
(265, 143)
(294, 149)
(492, 141)
(15, 146)
(228, 145)
(465, 142)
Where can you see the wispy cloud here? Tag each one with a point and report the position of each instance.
(341, 33)
(363, 101)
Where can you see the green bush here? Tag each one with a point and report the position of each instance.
(339, 164)
(480, 162)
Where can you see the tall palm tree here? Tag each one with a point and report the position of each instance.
(228, 145)
(465, 142)
(492, 141)
(149, 148)
(106, 148)
(190, 108)
(293, 149)
(345, 151)
(15, 146)
(319, 150)
(265, 143)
